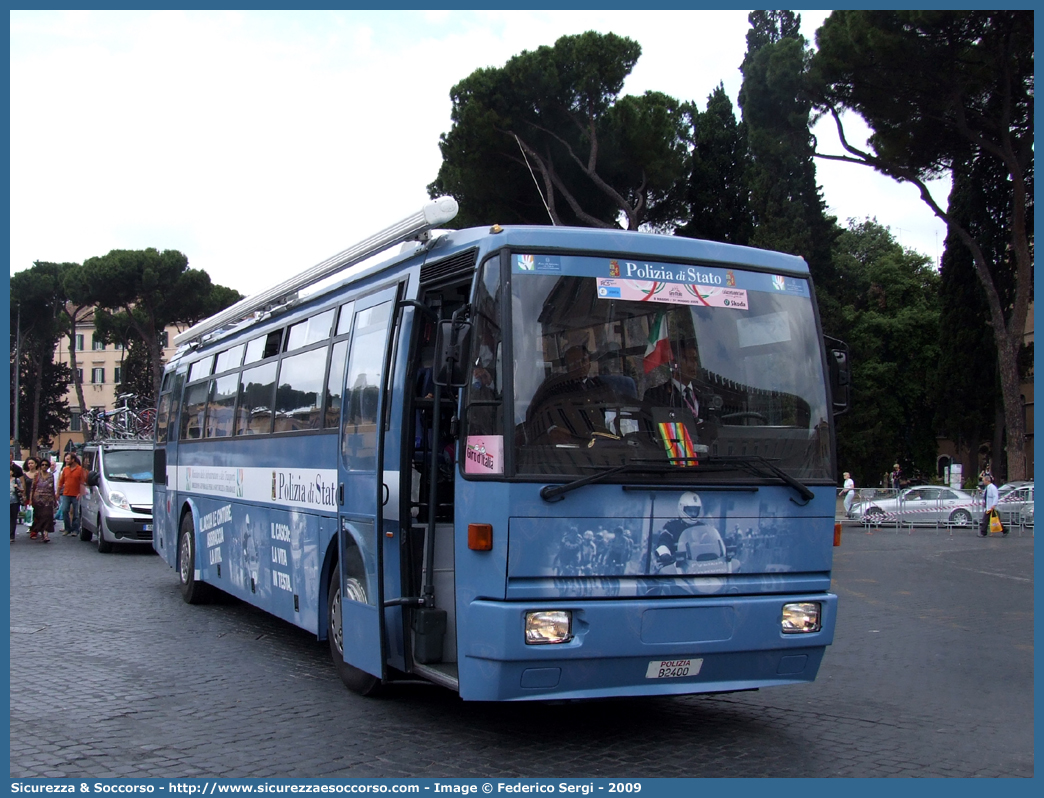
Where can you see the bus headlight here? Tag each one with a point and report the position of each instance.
(548, 626)
(802, 617)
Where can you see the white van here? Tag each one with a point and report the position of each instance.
(118, 505)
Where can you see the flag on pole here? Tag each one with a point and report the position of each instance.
(658, 347)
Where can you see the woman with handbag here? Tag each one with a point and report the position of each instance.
(43, 499)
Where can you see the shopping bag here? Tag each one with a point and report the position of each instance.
(29, 516)
(995, 522)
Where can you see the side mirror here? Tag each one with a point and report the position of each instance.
(93, 478)
(840, 375)
(452, 348)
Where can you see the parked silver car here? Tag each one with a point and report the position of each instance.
(1016, 504)
(921, 504)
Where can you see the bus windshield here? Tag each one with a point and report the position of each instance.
(677, 367)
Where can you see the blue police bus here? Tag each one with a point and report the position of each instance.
(519, 462)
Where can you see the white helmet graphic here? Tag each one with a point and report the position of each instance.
(690, 506)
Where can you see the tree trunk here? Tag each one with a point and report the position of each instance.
(88, 434)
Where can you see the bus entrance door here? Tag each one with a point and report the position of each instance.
(362, 492)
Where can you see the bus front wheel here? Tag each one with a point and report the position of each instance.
(356, 680)
(192, 592)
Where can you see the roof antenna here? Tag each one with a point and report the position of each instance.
(535, 181)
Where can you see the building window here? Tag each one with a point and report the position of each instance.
(98, 375)
(117, 375)
(163, 339)
(79, 375)
(97, 343)
(74, 422)
(79, 343)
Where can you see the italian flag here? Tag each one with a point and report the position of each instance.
(658, 348)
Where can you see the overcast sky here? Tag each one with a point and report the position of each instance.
(261, 143)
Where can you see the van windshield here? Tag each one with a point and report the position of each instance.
(129, 465)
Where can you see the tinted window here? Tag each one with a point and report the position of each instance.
(256, 391)
(201, 368)
(229, 359)
(335, 384)
(192, 414)
(362, 394)
(344, 321)
(221, 406)
(309, 331)
(254, 350)
(300, 388)
(162, 417)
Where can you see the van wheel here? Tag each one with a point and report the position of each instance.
(104, 546)
(85, 533)
(192, 592)
(356, 680)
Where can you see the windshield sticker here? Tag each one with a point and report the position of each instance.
(539, 263)
(695, 281)
(484, 454)
(672, 293)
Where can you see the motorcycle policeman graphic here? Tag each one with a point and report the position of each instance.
(688, 544)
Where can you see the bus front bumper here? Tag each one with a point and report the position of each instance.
(640, 647)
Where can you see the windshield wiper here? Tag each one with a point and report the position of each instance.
(555, 492)
(755, 464)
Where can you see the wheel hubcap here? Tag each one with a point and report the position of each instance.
(184, 558)
(335, 621)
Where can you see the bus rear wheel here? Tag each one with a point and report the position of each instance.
(356, 680)
(192, 592)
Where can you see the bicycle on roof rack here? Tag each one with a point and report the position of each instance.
(124, 422)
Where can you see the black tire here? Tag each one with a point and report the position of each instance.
(960, 518)
(192, 592)
(104, 546)
(85, 533)
(873, 515)
(356, 680)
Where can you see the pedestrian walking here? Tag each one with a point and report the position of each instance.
(849, 493)
(895, 478)
(992, 497)
(71, 483)
(17, 496)
(42, 497)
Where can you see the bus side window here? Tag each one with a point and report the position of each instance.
(194, 410)
(254, 408)
(162, 417)
(300, 389)
(221, 405)
(365, 371)
(335, 385)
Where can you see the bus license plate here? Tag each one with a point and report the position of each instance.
(672, 668)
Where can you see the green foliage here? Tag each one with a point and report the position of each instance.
(889, 310)
(137, 374)
(547, 137)
(946, 90)
(36, 299)
(789, 213)
(140, 292)
(717, 195)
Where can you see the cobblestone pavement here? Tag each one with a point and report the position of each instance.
(112, 675)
